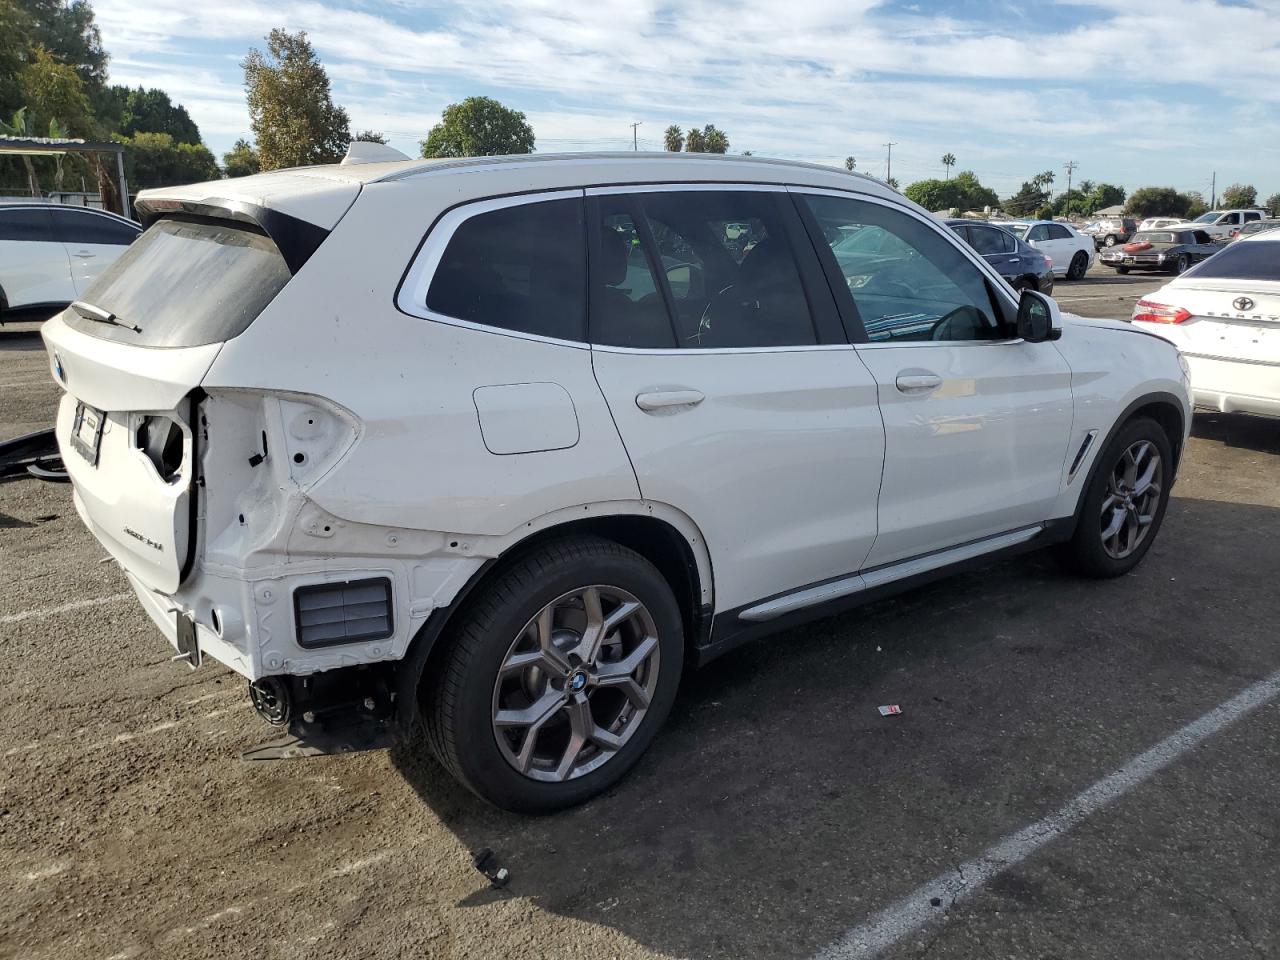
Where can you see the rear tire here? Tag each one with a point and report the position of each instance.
(496, 673)
(1079, 264)
(1123, 506)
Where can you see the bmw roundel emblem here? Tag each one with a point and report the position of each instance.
(577, 682)
(1242, 303)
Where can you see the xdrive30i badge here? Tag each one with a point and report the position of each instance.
(144, 539)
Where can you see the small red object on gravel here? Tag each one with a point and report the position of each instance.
(891, 710)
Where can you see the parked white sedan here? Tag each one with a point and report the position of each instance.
(1072, 252)
(1224, 316)
(49, 254)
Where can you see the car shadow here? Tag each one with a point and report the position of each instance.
(777, 807)
(1238, 430)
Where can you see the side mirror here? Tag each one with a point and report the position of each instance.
(1038, 317)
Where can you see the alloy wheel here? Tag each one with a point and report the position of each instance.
(1132, 499)
(576, 683)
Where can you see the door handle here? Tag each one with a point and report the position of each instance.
(658, 399)
(84, 254)
(1015, 259)
(918, 382)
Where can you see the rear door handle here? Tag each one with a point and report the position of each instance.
(84, 254)
(659, 399)
(918, 382)
(1015, 259)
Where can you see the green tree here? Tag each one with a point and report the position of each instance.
(672, 138)
(893, 182)
(1031, 196)
(151, 111)
(294, 119)
(948, 161)
(1273, 205)
(694, 141)
(1044, 213)
(1103, 195)
(20, 126)
(155, 160)
(961, 193)
(241, 160)
(15, 43)
(371, 136)
(1195, 204)
(714, 139)
(479, 127)
(1240, 195)
(68, 31)
(1156, 202)
(53, 91)
(850, 164)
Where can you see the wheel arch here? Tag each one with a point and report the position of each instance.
(664, 536)
(1161, 407)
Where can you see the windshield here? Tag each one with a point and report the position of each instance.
(1251, 260)
(1207, 217)
(185, 283)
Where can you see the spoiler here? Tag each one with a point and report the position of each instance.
(295, 238)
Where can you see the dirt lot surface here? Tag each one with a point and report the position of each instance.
(777, 811)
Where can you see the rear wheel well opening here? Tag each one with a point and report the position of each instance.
(656, 540)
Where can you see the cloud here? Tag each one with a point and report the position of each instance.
(815, 79)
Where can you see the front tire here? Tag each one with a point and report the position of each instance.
(557, 677)
(1110, 241)
(1182, 264)
(1123, 506)
(1122, 270)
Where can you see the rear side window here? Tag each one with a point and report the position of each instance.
(988, 241)
(1250, 260)
(29, 225)
(72, 226)
(186, 283)
(520, 268)
(1058, 232)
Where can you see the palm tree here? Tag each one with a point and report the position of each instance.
(20, 126)
(850, 163)
(673, 138)
(948, 161)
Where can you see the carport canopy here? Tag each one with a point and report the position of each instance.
(52, 147)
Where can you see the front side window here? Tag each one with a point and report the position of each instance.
(728, 263)
(30, 225)
(916, 284)
(1058, 232)
(519, 268)
(1039, 232)
(75, 226)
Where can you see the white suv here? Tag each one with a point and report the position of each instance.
(506, 443)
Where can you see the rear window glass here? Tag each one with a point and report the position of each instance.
(521, 268)
(185, 284)
(1248, 260)
(1155, 238)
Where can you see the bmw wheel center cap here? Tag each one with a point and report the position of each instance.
(578, 681)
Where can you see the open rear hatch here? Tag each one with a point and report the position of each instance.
(131, 357)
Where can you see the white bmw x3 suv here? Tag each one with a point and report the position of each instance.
(505, 444)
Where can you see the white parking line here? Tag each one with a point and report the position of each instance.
(31, 383)
(64, 608)
(914, 911)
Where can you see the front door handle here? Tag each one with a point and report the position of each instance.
(84, 254)
(659, 399)
(918, 382)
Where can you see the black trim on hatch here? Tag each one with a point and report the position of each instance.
(296, 239)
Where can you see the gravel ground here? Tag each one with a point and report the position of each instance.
(777, 810)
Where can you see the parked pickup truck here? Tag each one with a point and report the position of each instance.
(1219, 223)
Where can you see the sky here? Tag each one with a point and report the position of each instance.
(1136, 92)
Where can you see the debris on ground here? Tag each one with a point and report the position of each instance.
(486, 863)
(890, 710)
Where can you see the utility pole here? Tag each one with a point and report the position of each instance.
(635, 144)
(1070, 167)
(1213, 191)
(888, 166)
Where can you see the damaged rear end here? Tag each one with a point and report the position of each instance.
(191, 490)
